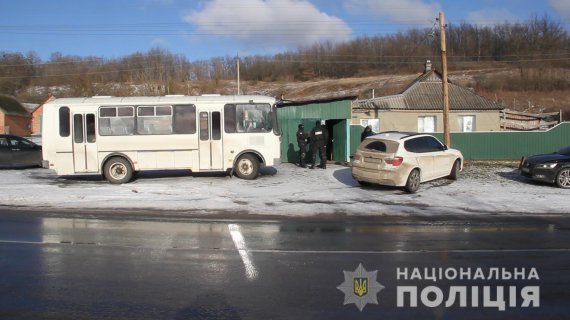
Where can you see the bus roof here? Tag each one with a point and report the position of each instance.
(99, 100)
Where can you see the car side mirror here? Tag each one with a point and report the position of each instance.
(445, 147)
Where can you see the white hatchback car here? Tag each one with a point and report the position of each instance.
(404, 159)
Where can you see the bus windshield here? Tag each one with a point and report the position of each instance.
(250, 118)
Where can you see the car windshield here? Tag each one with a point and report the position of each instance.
(21, 143)
(565, 151)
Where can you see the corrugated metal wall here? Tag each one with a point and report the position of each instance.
(340, 150)
(355, 132)
(511, 145)
(289, 117)
(289, 148)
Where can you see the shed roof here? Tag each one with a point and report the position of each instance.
(333, 108)
(425, 93)
(290, 103)
(10, 106)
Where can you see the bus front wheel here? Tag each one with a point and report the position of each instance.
(118, 170)
(247, 167)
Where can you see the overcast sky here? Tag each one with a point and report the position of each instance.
(201, 29)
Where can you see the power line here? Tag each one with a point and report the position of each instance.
(279, 58)
(162, 27)
(345, 62)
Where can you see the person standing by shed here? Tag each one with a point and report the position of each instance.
(319, 137)
(366, 133)
(302, 138)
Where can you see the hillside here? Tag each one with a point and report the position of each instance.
(488, 83)
(534, 101)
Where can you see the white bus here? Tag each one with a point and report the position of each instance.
(118, 136)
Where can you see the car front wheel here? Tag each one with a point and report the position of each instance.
(413, 183)
(455, 170)
(563, 178)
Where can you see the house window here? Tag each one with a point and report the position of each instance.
(466, 123)
(373, 123)
(426, 124)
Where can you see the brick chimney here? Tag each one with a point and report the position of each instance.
(428, 66)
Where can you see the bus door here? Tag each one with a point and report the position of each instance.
(211, 146)
(84, 146)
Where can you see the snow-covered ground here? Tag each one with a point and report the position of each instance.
(287, 190)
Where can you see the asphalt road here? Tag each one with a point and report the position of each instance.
(99, 268)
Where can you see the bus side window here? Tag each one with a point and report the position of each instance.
(154, 120)
(216, 126)
(184, 120)
(78, 128)
(90, 122)
(268, 118)
(230, 118)
(248, 118)
(204, 134)
(64, 125)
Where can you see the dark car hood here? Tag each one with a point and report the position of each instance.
(552, 157)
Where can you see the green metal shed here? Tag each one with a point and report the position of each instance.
(336, 114)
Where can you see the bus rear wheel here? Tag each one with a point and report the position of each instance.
(247, 167)
(118, 170)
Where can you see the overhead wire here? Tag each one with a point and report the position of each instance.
(320, 61)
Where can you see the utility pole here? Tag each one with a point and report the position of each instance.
(446, 134)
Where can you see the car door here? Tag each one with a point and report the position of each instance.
(5, 152)
(442, 159)
(24, 152)
(424, 158)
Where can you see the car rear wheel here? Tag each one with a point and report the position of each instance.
(247, 167)
(455, 170)
(413, 183)
(118, 170)
(364, 183)
(563, 178)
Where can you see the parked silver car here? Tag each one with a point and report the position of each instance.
(17, 152)
(404, 159)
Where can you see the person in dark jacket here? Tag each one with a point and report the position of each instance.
(319, 137)
(302, 139)
(366, 133)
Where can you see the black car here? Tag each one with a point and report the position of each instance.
(550, 168)
(17, 152)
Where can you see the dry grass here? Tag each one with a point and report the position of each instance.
(362, 87)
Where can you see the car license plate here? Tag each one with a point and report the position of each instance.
(527, 170)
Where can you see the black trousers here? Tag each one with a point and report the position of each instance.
(322, 152)
(302, 155)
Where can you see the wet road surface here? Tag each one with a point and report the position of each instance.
(61, 268)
